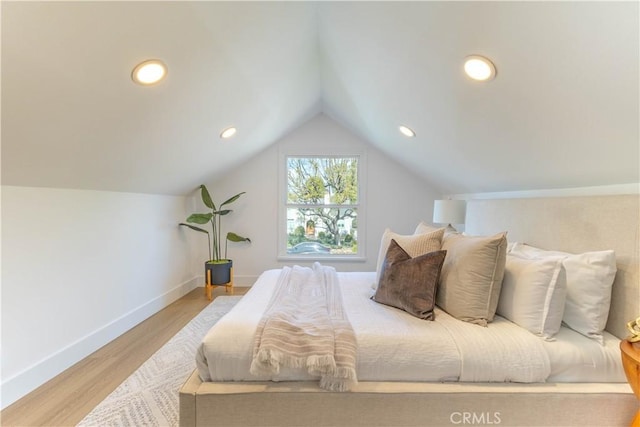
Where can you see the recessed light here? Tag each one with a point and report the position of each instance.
(479, 68)
(408, 132)
(228, 132)
(149, 72)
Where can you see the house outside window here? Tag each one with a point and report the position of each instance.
(322, 207)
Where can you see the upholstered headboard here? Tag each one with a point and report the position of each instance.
(574, 224)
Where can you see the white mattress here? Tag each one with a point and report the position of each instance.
(395, 346)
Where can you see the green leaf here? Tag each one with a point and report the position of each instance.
(233, 199)
(223, 212)
(206, 197)
(193, 227)
(199, 218)
(236, 238)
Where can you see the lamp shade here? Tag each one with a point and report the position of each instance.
(449, 211)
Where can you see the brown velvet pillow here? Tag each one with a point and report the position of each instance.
(410, 283)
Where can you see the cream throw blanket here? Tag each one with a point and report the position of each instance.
(305, 327)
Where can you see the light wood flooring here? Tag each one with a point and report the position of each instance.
(66, 399)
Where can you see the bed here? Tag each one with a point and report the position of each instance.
(571, 380)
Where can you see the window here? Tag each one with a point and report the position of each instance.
(322, 206)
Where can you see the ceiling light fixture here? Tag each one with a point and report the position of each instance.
(149, 72)
(228, 132)
(479, 68)
(406, 131)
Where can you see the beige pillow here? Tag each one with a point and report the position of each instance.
(414, 245)
(423, 228)
(471, 276)
(410, 283)
(426, 228)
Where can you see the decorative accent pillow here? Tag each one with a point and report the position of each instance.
(423, 228)
(414, 245)
(410, 283)
(471, 276)
(426, 228)
(590, 277)
(533, 294)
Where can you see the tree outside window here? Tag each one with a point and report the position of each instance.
(322, 205)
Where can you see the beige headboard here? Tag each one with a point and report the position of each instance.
(574, 224)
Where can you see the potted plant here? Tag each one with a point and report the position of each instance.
(219, 266)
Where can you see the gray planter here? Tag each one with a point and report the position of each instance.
(220, 272)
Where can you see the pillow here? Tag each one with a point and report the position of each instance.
(410, 283)
(590, 278)
(414, 245)
(426, 228)
(423, 228)
(471, 276)
(533, 294)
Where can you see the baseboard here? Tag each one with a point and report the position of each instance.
(245, 281)
(22, 383)
(238, 280)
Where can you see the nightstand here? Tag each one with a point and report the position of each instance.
(631, 364)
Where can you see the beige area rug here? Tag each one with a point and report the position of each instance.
(149, 397)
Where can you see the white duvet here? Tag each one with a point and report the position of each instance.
(392, 345)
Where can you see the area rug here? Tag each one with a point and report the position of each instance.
(149, 397)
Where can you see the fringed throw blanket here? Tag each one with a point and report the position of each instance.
(305, 327)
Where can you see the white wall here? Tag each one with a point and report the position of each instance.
(395, 198)
(79, 268)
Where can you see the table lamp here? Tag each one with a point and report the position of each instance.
(449, 212)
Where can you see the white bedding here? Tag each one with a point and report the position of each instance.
(575, 358)
(395, 346)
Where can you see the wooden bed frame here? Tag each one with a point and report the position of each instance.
(571, 224)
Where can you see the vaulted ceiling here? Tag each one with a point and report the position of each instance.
(562, 112)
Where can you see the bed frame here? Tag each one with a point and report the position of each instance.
(571, 224)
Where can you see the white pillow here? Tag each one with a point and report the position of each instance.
(590, 277)
(415, 245)
(533, 294)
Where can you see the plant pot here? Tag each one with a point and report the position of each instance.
(220, 271)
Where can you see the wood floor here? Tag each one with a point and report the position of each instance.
(68, 398)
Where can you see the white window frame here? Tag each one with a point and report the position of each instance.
(282, 204)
